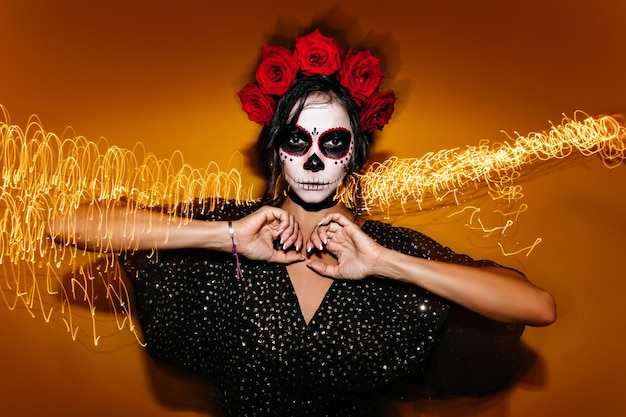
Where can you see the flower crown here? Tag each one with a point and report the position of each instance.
(358, 71)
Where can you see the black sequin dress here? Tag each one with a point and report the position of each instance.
(249, 338)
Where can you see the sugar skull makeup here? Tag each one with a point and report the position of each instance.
(317, 152)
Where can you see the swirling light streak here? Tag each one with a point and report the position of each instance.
(431, 179)
(44, 176)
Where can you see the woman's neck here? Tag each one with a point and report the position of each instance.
(312, 207)
(309, 215)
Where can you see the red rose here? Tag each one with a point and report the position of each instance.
(260, 107)
(317, 54)
(277, 70)
(360, 74)
(377, 111)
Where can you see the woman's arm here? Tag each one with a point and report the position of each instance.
(497, 293)
(116, 227)
(113, 227)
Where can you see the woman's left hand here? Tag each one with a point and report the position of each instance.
(357, 254)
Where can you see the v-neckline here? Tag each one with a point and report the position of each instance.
(296, 300)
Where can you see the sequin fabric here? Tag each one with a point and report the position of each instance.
(249, 338)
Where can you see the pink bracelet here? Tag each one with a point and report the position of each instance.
(231, 232)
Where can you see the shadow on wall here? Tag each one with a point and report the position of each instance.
(176, 389)
(531, 375)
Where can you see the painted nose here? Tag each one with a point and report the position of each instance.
(314, 164)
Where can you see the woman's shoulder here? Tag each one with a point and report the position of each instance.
(378, 226)
(400, 238)
(415, 243)
(219, 209)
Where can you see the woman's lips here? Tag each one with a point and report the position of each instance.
(313, 186)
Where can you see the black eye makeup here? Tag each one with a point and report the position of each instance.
(297, 141)
(335, 143)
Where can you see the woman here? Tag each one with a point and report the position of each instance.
(295, 305)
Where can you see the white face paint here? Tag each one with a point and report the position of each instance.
(316, 155)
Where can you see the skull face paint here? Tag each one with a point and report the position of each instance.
(317, 152)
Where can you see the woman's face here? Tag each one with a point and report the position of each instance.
(317, 153)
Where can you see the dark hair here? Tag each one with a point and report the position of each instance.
(288, 110)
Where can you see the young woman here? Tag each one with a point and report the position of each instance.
(295, 305)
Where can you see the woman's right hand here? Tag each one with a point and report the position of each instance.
(256, 233)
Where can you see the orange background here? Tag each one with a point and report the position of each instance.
(166, 74)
